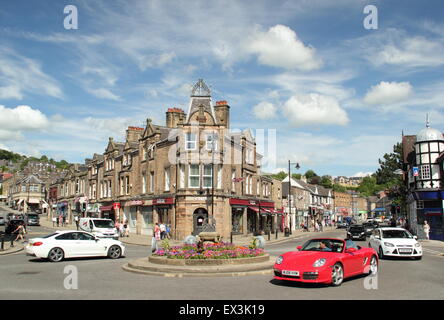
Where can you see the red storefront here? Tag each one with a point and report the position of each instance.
(110, 211)
(252, 216)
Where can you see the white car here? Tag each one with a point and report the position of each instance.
(395, 242)
(73, 244)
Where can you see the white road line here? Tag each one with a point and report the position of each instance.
(432, 251)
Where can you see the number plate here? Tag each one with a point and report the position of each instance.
(290, 273)
(408, 251)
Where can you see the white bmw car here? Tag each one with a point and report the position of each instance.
(395, 242)
(73, 244)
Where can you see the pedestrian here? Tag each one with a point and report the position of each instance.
(58, 221)
(19, 231)
(155, 237)
(76, 219)
(407, 225)
(117, 226)
(426, 229)
(168, 231)
(157, 231)
(393, 222)
(63, 221)
(162, 231)
(54, 221)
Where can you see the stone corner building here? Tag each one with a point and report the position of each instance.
(192, 171)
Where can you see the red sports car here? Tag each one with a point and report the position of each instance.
(326, 261)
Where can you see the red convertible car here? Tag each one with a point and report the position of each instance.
(327, 261)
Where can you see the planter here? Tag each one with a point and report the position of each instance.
(207, 262)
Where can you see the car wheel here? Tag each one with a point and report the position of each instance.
(337, 275)
(373, 266)
(381, 253)
(114, 252)
(56, 255)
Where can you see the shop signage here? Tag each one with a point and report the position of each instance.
(116, 205)
(133, 203)
(163, 201)
(241, 202)
(198, 198)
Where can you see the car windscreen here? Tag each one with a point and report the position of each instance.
(396, 234)
(103, 223)
(356, 229)
(326, 245)
(33, 216)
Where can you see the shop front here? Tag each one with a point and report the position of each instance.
(164, 209)
(251, 216)
(93, 210)
(110, 211)
(146, 210)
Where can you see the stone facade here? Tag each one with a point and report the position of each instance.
(191, 173)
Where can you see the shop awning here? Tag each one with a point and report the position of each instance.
(263, 210)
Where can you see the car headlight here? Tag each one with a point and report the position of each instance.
(417, 244)
(319, 262)
(279, 260)
(362, 232)
(388, 244)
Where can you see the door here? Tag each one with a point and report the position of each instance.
(353, 261)
(69, 244)
(199, 217)
(88, 246)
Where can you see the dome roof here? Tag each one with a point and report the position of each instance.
(429, 134)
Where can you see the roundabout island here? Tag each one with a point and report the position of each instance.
(204, 259)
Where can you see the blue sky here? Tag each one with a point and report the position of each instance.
(337, 94)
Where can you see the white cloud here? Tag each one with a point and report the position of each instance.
(264, 110)
(388, 93)
(103, 93)
(314, 109)
(412, 51)
(281, 47)
(362, 174)
(20, 75)
(22, 118)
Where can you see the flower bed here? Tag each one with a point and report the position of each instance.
(220, 250)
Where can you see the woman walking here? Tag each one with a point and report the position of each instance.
(427, 229)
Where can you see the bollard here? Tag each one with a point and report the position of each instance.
(269, 235)
(3, 243)
(276, 233)
(231, 237)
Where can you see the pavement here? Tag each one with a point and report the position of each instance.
(145, 240)
(7, 249)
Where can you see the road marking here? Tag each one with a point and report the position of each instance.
(432, 251)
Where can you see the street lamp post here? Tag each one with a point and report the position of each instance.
(289, 188)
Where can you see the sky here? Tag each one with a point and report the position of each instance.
(334, 82)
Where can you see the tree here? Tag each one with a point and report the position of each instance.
(310, 174)
(296, 176)
(390, 180)
(339, 188)
(279, 176)
(326, 181)
(390, 163)
(369, 187)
